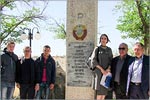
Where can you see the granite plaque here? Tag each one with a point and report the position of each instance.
(78, 72)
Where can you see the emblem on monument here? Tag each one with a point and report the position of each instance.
(79, 32)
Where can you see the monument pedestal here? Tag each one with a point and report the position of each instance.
(81, 40)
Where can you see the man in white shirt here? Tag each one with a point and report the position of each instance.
(138, 74)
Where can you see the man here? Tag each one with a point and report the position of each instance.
(119, 71)
(138, 74)
(26, 75)
(47, 68)
(8, 69)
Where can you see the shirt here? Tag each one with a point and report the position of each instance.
(118, 69)
(137, 70)
(44, 79)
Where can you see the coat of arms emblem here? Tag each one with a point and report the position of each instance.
(79, 32)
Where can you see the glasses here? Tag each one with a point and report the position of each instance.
(121, 48)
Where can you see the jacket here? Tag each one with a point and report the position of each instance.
(33, 71)
(8, 66)
(50, 69)
(123, 72)
(144, 77)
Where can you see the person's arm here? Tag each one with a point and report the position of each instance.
(37, 71)
(17, 78)
(110, 60)
(37, 75)
(53, 74)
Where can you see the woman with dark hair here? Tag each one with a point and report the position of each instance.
(101, 59)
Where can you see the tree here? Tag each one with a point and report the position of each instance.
(58, 27)
(10, 24)
(135, 22)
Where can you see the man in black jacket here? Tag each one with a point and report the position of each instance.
(47, 68)
(8, 69)
(119, 71)
(27, 75)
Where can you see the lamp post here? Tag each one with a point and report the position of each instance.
(30, 35)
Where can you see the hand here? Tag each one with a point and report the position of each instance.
(18, 85)
(148, 93)
(37, 87)
(104, 72)
(101, 69)
(51, 86)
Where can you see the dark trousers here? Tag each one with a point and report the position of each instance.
(120, 91)
(135, 92)
(27, 91)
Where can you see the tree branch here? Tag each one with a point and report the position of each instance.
(145, 25)
(17, 24)
(6, 2)
(59, 26)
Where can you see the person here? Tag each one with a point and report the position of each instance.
(138, 74)
(8, 69)
(119, 70)
(101, 59)
(47, 68)
(26, 75)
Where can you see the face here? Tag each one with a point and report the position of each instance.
(11, 47)
(123, 50)
(27, 52)
(138, 51)
(46, 51)
(103, 40)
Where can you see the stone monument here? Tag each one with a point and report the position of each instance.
(81, 40)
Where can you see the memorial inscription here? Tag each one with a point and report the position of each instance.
(79, 74)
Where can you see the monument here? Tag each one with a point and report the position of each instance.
(81, 40)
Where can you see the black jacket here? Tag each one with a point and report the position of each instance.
(123, 73)
(50, 69)
(33, 71)
(8, 66)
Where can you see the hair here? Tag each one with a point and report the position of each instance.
(47, 46)
(124, 44)
(27, 47)
(11, 42)
(106, 37)
(139, 43)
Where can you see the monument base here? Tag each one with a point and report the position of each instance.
(79, 93)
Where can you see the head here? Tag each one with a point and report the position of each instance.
(104, 39)
(11, 46)
(138, 49)
(46, 50)
(123, 49)
(27, 52)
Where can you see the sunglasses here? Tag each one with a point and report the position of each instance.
(27, 51)
(121, 48)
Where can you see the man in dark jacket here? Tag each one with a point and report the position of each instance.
(138, 74)
(47, 68)
(119, 71)
(26, 75)
(8, 70)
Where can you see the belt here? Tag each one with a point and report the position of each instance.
(132, 83)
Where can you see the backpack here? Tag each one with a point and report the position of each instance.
(89, 61)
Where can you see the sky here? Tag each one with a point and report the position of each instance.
(107, 21)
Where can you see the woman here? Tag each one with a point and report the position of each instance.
(101, 59)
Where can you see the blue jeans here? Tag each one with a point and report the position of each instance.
(7, 90)
(44, 92)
